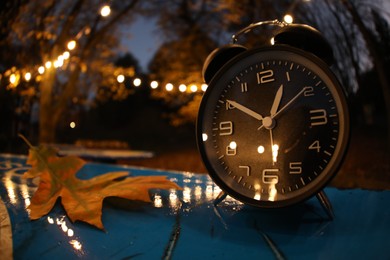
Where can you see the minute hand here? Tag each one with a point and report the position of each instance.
(289, 102)
(246, 110)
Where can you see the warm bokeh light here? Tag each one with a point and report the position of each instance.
(12, 79)
(41, 70)
(27, 76)
(169, 87)
(66, 55)
(60, 58)
(58, 63)
(194, 88)
(48, 64)
(154, 84)
(105, 11)
(71, 45)
(137, 82)
(260, 149)
(182, 88)
(204, 87)
(288, 18)
(72, 124)
(120, 78)
(233, 145)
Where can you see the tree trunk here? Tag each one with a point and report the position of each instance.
(47, 129)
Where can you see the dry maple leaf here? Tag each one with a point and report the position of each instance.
(82, 199)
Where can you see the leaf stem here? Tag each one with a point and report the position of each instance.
(26, 141)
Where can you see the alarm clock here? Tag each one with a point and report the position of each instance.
(273, 125)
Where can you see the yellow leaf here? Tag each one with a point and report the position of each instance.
(82, 199)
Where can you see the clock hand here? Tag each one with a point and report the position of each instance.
(245, 110)
(270, 125)
(289, 102)
(278, 98)
(274, 109)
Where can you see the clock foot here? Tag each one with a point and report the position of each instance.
(325, 203)
(221, 196)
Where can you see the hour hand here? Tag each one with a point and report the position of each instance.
(278, 98)
(246, 110)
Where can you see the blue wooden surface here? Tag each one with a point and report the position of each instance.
(185, 224)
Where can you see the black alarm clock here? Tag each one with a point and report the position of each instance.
(273, 124)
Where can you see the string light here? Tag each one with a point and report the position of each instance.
(41, 70)
(169, 87)
(12, 78)
(71, 45)
(105, 11)
(27, 76)
(182, 88)
(120, 78)
(137, 82)
(288, 18)
(48, 64)
(66, 55)
(57, 64)
(194, 88)
(154, 84)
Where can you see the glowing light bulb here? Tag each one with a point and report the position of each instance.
(48, 64)
(12, 79)
(182, 88)
(120, 78)
(71, 45)
(41, 70)
(137, 82)
(194, 88)
(288, 18)
(66, 55)
(57, 64)
(27, 76)
(169, 87)
(154, 84)
(105, 11)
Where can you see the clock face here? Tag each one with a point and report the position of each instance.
(273, 126)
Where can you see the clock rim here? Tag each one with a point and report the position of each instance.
(342, 144)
